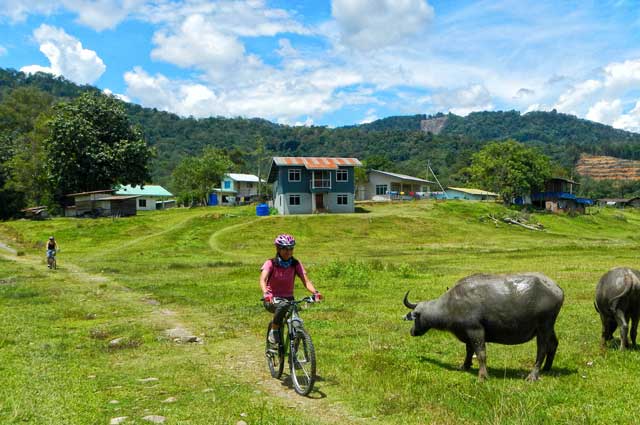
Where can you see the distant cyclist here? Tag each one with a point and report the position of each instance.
(277, 280)
(52, 247)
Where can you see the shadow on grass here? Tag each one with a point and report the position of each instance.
(315, 393)
(360, 210)
(509, 373)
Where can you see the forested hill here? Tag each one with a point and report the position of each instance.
(538, 128)
(393, 143)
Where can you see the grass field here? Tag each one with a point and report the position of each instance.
(198, 269)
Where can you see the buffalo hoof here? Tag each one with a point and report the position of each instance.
(464, 366)
(533, 377)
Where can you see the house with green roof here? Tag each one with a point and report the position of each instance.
(150, 197)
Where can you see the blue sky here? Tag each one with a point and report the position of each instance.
(339, 62)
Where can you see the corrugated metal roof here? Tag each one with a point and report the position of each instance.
(317, 163)
(147, 190)
(473, 191)
(243, 177)
(403, 176)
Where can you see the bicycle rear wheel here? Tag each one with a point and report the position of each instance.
(275, 355)
(303, 362)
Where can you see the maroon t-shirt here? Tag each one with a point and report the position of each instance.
(280, 281)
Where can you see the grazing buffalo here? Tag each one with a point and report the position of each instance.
(618, 302)
(507, 309)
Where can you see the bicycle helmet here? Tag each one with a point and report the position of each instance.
(50, 238)
(285, 241)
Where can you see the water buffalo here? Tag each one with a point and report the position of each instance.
(618, 302)
(507, 309)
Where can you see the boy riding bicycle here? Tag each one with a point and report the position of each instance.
(277, 281)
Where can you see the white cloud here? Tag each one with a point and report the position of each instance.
(122, 97)
(3, 50)
(197, 42)
(605, 112)
(370, 117)
(286, 50)
(372, 24)
(18, 10)
(278, 95)
(622, 76)
(465, 100)
(573, 100)
(629, 121)
(67, 56)
(102, 14)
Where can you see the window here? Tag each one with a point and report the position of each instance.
(343, 200)
(342, 176)
(381, 189)
(294, 199)
(227, 184)
(321, 180)
(294, 174)
(142, 203)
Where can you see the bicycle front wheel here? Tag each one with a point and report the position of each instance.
(275, 355)
(303, 362)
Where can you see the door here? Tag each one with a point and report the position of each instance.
(319, 201)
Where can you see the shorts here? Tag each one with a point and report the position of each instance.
(279, 310)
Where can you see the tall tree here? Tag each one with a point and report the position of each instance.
(195, 177)
(509, 168)
(93, 146)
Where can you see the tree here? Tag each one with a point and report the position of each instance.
(509, 168)
(93, 146)
(195, 177)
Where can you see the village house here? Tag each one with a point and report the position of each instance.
(469, 194)
(384, 186)
(101, 203)
(238, 189)
(149, 197)
(304, 185)
(558, 196)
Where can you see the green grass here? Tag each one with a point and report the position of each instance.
(199, 268)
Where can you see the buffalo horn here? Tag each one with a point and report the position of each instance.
(407, 303)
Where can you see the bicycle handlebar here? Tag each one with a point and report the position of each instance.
(308, 299)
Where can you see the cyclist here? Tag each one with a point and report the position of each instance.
(52, 247)
(277, 280)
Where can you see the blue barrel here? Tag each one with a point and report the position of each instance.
(262, 209)
(213, 199)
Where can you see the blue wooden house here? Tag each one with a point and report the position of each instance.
(305, 185)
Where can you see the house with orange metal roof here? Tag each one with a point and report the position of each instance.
(306, 185)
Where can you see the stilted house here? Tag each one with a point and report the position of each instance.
(559, 196)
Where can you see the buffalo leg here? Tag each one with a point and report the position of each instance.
(469, 356)
(552, 346)
(624, 328)
(608, 327)
(542, 343)
(476, 339)
(634, 330)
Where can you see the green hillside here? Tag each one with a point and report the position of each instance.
(396, 142)
(198, 269)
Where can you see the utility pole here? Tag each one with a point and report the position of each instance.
(437, 181)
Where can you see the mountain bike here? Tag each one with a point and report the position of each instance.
(51, 260)
(301, 354)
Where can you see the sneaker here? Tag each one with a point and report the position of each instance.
(274, 336)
